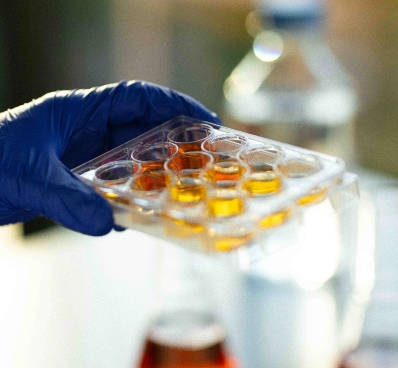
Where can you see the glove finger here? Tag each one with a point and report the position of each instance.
(151, 103)
(118, 228)
(140, 106)
(10, 216)
(68, 201)
(107, 116)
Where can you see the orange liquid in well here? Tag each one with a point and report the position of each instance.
(152, 166)
(189, 138)
(231, 171)
(151, 180)
(188, 161)
(191, 146)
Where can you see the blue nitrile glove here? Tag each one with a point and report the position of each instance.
(41, 140)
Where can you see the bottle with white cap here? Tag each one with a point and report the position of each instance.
(290, 86)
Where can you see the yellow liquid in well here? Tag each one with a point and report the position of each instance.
(228, 243)
(225, 206)
(188, 190)
(315, 196)
(114, 197)
(181, 228)
(275, 219)
(263, 183)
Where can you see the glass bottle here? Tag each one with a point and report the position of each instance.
(185, 331)
(374, 328)
(290, 86)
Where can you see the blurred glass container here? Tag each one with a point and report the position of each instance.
(185, 331)
(290, 87)
(374, 326)
(294, 297)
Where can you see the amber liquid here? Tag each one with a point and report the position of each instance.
(190, 139)
(188, 147)
(225, 172)
(188, 161)
(161, 356)
(262, 183)
(152, 166)
(150, 180)
(186, 341)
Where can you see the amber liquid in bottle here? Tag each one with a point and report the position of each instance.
(161, 356)
(186, 340)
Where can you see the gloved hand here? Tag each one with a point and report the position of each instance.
(41, 140)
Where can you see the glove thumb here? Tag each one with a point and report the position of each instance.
(73, 204)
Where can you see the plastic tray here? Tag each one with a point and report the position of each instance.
(263, 217)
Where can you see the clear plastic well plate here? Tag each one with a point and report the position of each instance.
(212, 188)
